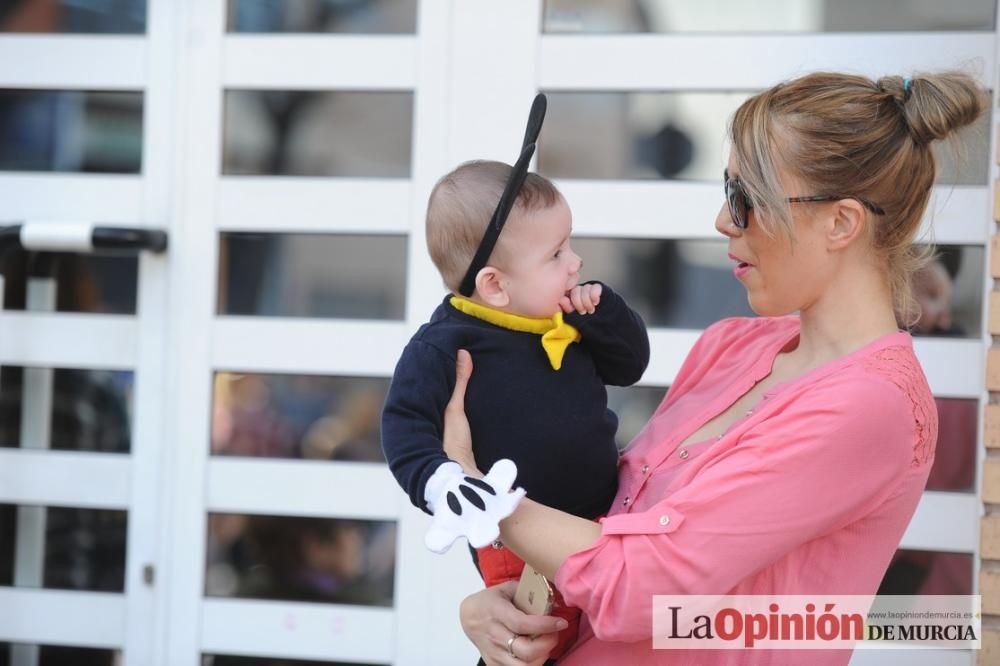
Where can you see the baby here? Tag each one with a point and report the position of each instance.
(543, 347)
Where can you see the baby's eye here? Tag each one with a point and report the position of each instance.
(556, 255)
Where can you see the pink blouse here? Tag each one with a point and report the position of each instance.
(808, 493)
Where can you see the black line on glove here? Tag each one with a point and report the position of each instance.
(473, 498)
(454, 504)
(482, 485)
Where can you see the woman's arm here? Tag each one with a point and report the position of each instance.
(541, 536)
(544, 537)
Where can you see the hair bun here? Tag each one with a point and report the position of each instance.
(935, 105)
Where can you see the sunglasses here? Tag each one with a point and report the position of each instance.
(740, 204)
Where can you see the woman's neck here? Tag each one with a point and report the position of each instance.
(844, 319)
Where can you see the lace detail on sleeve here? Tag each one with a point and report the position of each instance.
(900, 366)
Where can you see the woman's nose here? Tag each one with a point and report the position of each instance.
(724, 223)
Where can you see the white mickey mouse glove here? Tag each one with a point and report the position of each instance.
(473, 508)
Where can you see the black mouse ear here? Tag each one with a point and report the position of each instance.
(517, 175)
(513, 188)
(535, 119)
(500, 213)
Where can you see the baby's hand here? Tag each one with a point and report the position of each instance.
(583, 298)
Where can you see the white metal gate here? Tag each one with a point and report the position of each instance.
(471, 69)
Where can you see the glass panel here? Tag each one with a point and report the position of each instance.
(317, 133)
(298, 416)
(97, 283)
(949, 292)
(955, 458)
(676, 135)
(232, 660)
(62, 548)
(71, 130)
(655, 277)
(73, 16)
(301, 559)
(928, 572)
(87, 410)
(634, 405)
(338, 16)
(682, 136)
(771, 16)
(18, 654)
(312, 275)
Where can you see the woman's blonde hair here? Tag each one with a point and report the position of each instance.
(847, 135)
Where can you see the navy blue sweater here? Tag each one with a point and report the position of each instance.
(554, 424)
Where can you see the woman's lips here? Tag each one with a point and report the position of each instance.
(742, 267)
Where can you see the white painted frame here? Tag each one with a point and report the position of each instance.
(131, 482)
(222, 343)
(594, 62)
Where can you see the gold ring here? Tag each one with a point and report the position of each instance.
(510, 645)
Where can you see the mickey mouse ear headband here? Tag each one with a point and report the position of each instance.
(509, 196)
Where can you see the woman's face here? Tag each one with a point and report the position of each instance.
(781, 276)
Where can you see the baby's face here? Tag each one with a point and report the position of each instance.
(542, 266)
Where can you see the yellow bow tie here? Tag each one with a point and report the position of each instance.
(556, 334)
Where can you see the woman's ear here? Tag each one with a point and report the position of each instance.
(491, 287)
(847, 224)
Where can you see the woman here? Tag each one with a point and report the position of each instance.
(790, 452)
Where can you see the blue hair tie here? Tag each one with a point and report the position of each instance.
(906, 85)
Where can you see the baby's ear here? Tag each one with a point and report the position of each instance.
(490, 287)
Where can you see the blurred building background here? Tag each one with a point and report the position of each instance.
(190, 470)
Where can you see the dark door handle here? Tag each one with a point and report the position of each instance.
(79, 237)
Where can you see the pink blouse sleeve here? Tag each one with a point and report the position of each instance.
(826, 460)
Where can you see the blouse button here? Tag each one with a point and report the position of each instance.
(626, 501)
(684, 453)
(664, 520)
(645, 468)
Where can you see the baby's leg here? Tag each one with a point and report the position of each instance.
(498, 565)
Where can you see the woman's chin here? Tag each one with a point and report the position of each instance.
(762, 307)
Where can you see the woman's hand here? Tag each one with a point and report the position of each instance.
(457, 436)
(490, 619)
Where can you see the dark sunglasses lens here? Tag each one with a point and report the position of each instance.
(737, 203)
